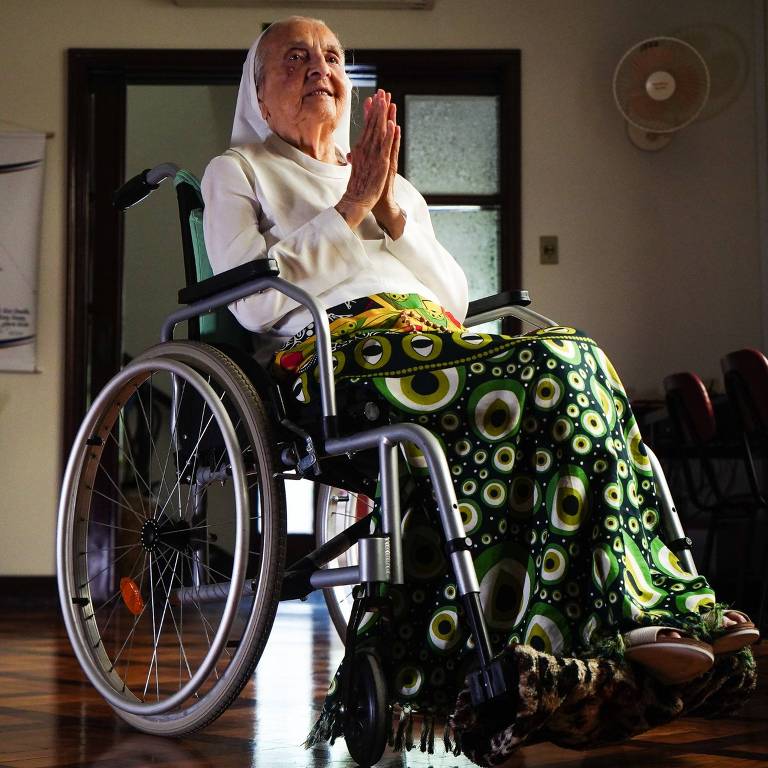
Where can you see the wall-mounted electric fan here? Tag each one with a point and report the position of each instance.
(660, 86)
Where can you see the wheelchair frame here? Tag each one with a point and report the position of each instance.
(381, 556)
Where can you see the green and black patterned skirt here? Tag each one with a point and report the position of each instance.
(552, 480)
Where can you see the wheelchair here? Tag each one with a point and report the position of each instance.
(171, 538)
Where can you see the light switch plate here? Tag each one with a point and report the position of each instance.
(549, 251)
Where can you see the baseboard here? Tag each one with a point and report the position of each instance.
(28, 592)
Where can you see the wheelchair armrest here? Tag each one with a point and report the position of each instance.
(232, 278)
(497, 301)
(506, 304)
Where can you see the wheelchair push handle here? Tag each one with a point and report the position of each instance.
(143, 184)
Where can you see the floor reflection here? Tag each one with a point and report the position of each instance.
(51, 716)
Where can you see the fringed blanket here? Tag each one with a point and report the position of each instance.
(584, 704)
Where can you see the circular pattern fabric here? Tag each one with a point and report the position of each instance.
(568, 500)
(554, 490)
(494, 409)
(444, 629)
(506, 573)
(373, 353)
(423, 346)
(423, 392)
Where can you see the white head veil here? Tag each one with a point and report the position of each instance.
(249, 127)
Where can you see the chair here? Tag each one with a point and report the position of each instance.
(746, 382)
(696, 432)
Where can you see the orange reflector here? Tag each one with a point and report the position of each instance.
(131, 595)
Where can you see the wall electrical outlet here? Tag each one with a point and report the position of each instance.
(549, 252)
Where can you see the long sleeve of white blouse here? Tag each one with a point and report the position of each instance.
(316, 256)
(321, 254)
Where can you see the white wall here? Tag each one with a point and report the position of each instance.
(659, 253)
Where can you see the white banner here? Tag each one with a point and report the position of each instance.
(22, 157)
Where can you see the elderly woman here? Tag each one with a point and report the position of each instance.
(553, 482)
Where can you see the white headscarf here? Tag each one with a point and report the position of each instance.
(249, 127)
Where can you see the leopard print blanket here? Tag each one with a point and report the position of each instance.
(588, 703)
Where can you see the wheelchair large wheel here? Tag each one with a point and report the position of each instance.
(335, 510)
(171, 538)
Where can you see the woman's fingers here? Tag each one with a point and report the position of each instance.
(395, 153)
(373, 138)
(377, 109)
(372, 176)
(386, 141)
(371, 109)
(380, 108)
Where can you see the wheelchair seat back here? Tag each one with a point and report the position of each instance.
(219, 326)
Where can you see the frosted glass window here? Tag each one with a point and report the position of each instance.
(452, 144)
(471, 235)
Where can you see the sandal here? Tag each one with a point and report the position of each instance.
(737, 636)
(671, 660)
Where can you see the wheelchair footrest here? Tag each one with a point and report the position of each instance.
(487, 683)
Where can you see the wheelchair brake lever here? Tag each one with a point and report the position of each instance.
(307, 461)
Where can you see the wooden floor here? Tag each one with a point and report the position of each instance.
(49, 715)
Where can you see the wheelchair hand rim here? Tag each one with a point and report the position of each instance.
(64, 540)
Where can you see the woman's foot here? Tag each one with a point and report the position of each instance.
(736, 631)
(667, 654)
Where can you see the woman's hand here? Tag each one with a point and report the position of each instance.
(371, 159)
(388, 213)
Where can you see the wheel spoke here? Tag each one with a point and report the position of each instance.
(148, 421)
(137, 619)
(173, 618)
(111, 525)
(129, 458)
(207, 567)
(105, 568)
(180, 473)
(197, 604)
(154, 627)
(174, 433)
(204, 621)
(156, 635)
(127, 667)
(103, 630)
(126, 505)
(105, 548)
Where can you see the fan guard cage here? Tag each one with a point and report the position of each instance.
(661, 54)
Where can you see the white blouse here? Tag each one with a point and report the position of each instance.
(273, 200)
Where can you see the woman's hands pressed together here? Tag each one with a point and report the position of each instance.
(374, 167)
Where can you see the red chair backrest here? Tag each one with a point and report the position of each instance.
(689, 406)
(746, 381)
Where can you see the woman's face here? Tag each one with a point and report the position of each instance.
(303, 85)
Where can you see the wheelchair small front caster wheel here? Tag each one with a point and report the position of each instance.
(365, 721)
